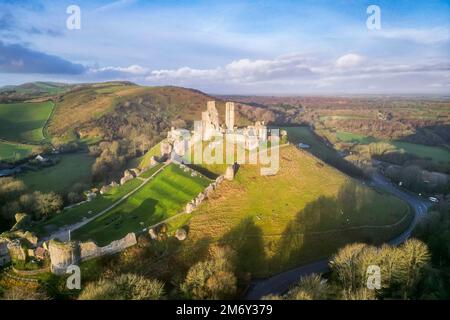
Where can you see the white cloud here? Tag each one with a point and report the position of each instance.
(115, 5)
(243, 70)
(349, 61)
(428, 36)
(292, 72)
(133, 69)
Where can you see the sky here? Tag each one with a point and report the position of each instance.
(265, 47)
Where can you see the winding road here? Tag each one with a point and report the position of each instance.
(281, 282)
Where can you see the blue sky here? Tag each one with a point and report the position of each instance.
(242, 47)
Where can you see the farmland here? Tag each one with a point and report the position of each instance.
(24, 122)
(14, 151)
(435, 153)
(71, 169)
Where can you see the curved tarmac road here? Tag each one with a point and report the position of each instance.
(280, 283)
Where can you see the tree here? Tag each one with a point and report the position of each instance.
(10, 189)
(213, 278)
(124, 287)
(345, 266)
(312, 287)
(415, 256)
(47, 204)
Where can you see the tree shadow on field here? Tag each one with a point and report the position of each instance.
(247, 240)
(325, 225)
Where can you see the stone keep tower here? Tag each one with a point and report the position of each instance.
(229, 115)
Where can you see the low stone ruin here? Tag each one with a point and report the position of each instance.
(229, 172)
(89, 250)
(154, 161)
(166, 149)
(181, 234)
(64, 254)
(127, 176)
(194, 203)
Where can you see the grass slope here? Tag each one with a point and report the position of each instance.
(162, 197)
(24, 121)
(87, 209)
(72, 168)
(304, 135)
(302, 214)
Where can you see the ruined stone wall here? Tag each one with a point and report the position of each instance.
(89, 250)
(4, 253)
(205, 194)
(62, 255)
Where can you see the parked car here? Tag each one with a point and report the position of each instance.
(433, 199)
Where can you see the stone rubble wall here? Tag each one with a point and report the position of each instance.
(64, 254)
(205, 194)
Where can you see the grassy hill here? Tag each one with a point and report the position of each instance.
(302, 214)
(106, 110)
(24, 122)
(32, 90)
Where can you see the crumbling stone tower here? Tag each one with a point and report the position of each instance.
(229, 115)
(62, 255)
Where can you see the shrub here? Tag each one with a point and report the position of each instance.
(124, 287)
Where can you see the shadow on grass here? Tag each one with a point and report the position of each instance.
(203, 171)
(247, 240)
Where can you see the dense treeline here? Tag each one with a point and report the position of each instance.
(405, 272)
(14, 198)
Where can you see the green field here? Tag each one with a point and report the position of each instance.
(72, 168)
(24, 121)
(14, 151)
(305, 135)
(162, 197)
(144, 161)
(434, 153)
(87, 209)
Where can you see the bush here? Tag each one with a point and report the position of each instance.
(124, 287)
(213, 278)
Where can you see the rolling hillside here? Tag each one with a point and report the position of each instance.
(112, 110)
(304, 213)
(32, 90)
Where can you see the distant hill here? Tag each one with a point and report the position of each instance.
(32, 90)
(123, 110)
